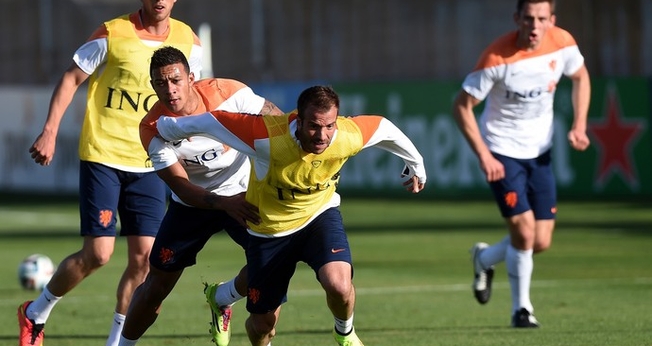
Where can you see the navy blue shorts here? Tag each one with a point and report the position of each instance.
(529, 184)
(184, 232)
(138, 198)
(272, 261)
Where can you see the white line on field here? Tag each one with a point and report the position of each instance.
(391, 289)
(38, 218)
(467, 287)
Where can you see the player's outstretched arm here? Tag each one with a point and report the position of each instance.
(43, 148)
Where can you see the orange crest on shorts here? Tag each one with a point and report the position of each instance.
(105, 217)
(253, 295)
(511, 198)
(165, 255)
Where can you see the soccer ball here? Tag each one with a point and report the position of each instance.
(35, 271)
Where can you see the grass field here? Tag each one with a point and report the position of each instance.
(413, 275)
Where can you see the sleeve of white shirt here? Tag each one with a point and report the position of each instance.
(243, 101)
(195, 60)
(91, 55)
(179, 128)
(161, 154)
(479, 82)
(573, 58)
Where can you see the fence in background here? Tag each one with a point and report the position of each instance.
(333, 40)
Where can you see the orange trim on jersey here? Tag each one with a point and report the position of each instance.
(212, 92)
(368, 126)
(247, 128)
(504, 50)
(215, 91)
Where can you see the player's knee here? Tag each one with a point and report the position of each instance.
(339, 292)
(94, 259)
(260, 325)
(542, 245)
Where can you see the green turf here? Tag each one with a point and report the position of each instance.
(413, 275)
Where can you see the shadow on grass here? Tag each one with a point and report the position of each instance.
(325, 332)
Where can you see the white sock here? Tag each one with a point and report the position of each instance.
(344, 327)
(226, 294)
(126, 342)
(39, 310)
(116, 329)
(519, 268)
(495, 253)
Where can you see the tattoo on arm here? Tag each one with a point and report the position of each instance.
(270, 108)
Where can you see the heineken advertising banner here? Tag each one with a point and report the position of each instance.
(618, 162)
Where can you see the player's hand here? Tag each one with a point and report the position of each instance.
(241, 210)
(42, 151)
(413, 184)
(578, 140)
(492, 168)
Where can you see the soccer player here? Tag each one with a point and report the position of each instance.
(115, 176)
(517, 75)
(207, 179)
(296, 161)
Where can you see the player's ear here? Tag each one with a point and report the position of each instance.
(191, 77)
(553, 20)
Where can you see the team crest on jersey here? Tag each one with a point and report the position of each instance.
(553, 64)
(316, 164)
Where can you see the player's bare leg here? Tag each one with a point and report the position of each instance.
(136, 271)
(138, 249)
(95, 252)
(261, 328)
(146, 302)
(335, 278)
(543, 236)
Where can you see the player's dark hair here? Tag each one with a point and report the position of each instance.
(521, 3)
(168, 56)
(319, 97)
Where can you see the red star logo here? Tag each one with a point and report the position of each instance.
(615, 137)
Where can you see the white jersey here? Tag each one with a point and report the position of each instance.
(519, 87)
(210, 164)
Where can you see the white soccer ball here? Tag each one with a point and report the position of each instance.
(35, 271)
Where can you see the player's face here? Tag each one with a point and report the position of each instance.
(315, 131)
(532, 23)
(173, 86)
(157, 10)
